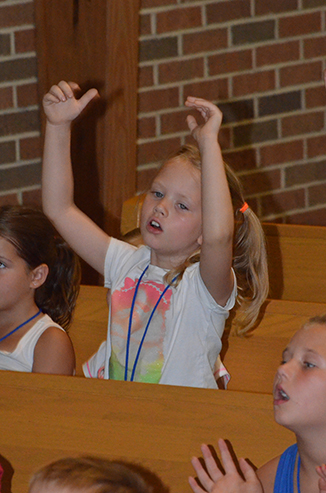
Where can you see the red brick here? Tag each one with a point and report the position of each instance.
(316, 217)
(281, 153)
(6, 98)
(178, 19)
(277, 203)
(158, 99)
(25, 41)
(273, 54)
(253, 82)
(300, 74)
(183, 70)
(207, 40)
(261, 181)
(174, 122)
(17, 15)
(301, 24)
(241, 160)
(145, 25)
(269, 6)
(227, 11)
(235, 61)
(213, 90)
(314, 47)
(30, 148)
(27, 95)
(317, 194)
(147, 4)
(315, 96)
(145, 76)
(146, 128)
(32, 198)
(151, 152)
(10, 199)
(302, 124)
(316, 146)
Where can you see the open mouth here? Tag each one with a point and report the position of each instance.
(154, 224)
(280, 395)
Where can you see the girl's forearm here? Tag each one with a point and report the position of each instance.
(218, 222)
(57, 177)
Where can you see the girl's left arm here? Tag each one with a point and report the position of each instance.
(54, 353)
(217, 209)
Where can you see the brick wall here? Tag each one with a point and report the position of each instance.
(260, 60)
(20, 151)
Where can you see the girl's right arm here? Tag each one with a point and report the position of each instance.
(84, 236)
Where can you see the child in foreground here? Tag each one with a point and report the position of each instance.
(39, 284)
(87, 475)
(299, 405)
(169, 299)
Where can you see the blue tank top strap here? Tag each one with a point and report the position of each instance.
(285, 470)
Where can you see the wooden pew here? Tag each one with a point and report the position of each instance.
(45, 417)
(297, 262)
(251, 361)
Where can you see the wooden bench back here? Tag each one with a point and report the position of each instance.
(45, 417)
(297, 262)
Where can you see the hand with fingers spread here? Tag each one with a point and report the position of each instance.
(321, 471)
(216, 481)
(212, 119)
(60, 104)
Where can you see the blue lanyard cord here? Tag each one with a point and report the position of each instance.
(20, 326)
(130, 322)
(298, 474)
(146, 328)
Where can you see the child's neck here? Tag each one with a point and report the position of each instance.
(10, 319)
(312, 453)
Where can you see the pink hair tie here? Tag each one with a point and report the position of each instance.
(244, 207)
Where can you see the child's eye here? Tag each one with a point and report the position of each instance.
(2, 265)
(307, 364)
(183, 207)
(157, 194)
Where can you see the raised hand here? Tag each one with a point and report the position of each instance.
(60, 104)
(212, 119)
(216, 481)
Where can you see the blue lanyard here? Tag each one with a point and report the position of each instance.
(298, 474)
(20, 326)
(146, 328)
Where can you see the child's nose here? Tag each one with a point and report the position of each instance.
(161, 207)
(285, 369)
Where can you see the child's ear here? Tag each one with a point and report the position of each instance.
(39, 275)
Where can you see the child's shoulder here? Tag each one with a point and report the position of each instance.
(267, 473)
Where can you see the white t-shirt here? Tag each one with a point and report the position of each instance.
(22, 357)
(184, 336)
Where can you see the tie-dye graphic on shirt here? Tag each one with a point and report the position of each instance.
(150, 363)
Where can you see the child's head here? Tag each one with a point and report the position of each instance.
(36, 242)
(87, 475)
(300, 381)
(173, 207)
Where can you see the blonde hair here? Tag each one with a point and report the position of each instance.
(249, 250)
(91, 475)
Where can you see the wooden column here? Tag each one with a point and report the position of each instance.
(95, 43)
